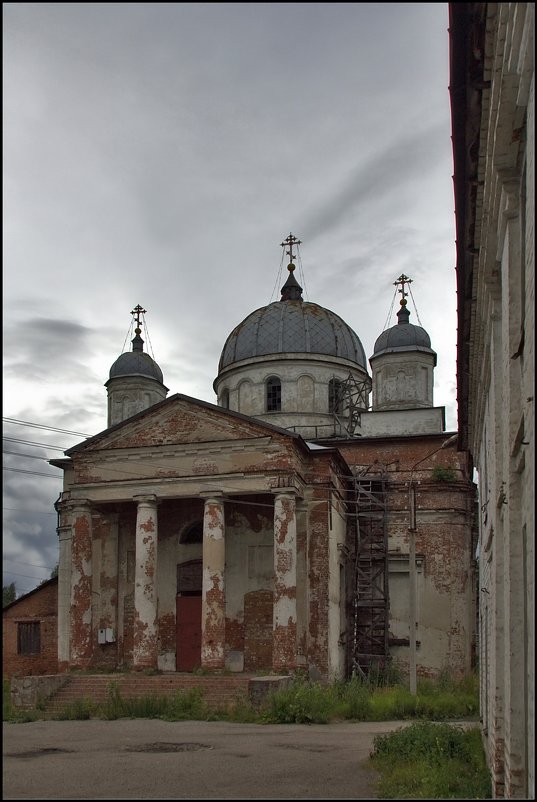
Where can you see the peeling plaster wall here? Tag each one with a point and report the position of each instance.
(445, 538)
(249, 570)
(337, 532)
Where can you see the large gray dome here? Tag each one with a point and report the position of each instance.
(404, 336)
(292, 326)
(136, 363)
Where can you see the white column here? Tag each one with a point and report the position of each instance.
(284, 655)
(64, 594)
(80, 614)
(213, 616)
(145, 648)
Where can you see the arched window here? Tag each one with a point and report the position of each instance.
(335, 396)
(274, 394)
(193, 533)
(225, 399)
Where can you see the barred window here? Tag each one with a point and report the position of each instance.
(274, 394)
(29, 637)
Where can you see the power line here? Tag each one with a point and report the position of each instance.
(34, 473)
(33, 443)
(33, 512)
(25, 456)
(31, 565)
(26, 576)
(42, 426)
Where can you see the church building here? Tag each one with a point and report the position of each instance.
(290, 526)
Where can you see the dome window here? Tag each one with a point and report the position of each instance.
(274, 394)
(335, 396)
(225, 399)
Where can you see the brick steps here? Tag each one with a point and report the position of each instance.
(217, 691)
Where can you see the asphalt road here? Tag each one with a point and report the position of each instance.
(152, 759)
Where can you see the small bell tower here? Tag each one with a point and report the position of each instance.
(135, 382)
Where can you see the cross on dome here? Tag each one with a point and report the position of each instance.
(402, 280)
(290, 241)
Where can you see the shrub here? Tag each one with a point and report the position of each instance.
(301, 703)
(443, 473)
(432, 761)
(80, 710)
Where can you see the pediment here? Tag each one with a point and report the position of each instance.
(180, 420)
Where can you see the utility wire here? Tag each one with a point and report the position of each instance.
(30, 565)
(25, 456)
(26, 576)
(33, 443)
(31, 512)
(42, 426)
(34, 473)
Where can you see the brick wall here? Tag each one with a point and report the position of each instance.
(40, 605)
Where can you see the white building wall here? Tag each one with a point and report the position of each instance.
(501, 398)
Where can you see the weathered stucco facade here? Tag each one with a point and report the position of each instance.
(186, 501)
(202, 538)
(492, 86)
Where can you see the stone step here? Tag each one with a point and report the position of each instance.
(216, 691)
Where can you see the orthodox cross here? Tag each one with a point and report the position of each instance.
(402, 280)
(290, 241)
(138, 310)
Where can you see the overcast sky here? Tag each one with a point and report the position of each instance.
(157, 154)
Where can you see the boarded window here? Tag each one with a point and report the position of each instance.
(29, 637)
(189, 578)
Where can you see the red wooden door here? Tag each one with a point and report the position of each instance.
(188, 620)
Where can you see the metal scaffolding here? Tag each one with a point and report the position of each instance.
(351, 399)
(368, 574)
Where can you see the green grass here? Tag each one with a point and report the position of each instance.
(303, 702)
(426, 760)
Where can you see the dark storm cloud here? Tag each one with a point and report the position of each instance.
(37, 348)
(30, 543)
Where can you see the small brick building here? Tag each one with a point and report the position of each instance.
(30, 632)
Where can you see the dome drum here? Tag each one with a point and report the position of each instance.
(305, 389)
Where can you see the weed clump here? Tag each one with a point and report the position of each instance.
(427, 760)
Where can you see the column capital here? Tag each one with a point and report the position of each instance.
(145, 498)
(71, 503)
(287, 483)
(292, 492)
(216, 495)
(65, 532)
